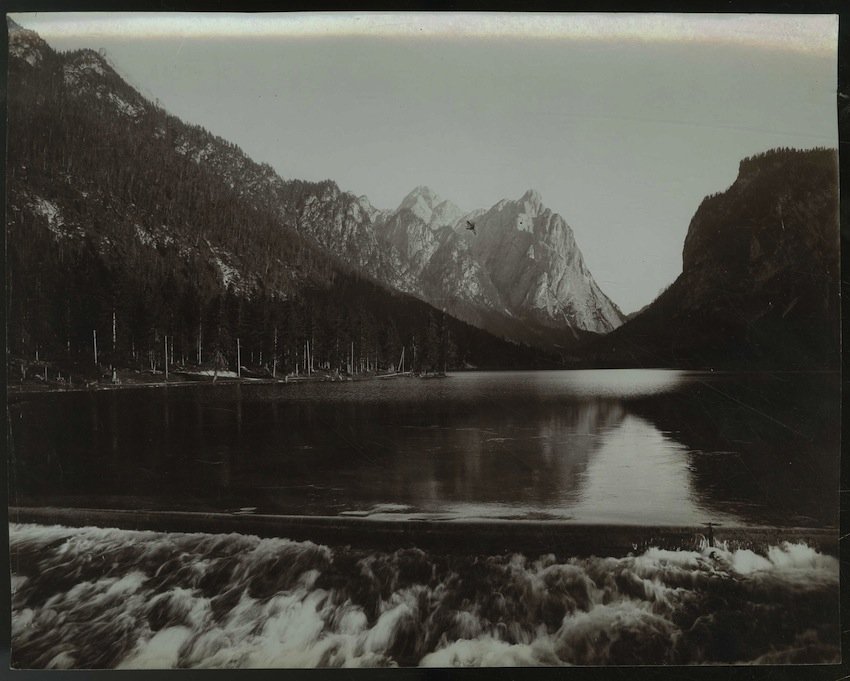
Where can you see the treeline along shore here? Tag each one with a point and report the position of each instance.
(335, 342)
(42, 376)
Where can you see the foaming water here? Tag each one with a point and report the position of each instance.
(92, 597)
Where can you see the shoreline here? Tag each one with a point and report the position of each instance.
(14, 390)
(477, 536)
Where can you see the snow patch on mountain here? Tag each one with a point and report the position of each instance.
(47, 209)
(53, 217)
(123, 106)
(145, 237)
(229, 275)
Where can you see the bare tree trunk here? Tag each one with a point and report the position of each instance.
(274, 359)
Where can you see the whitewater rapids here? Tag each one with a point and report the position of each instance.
(104, 598)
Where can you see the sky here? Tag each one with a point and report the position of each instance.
(622, 123)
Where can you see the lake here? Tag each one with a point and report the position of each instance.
(586, 447)
(661, 447)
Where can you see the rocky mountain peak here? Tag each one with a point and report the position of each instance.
(367, 207)
(422, 192)
(523, 261)
(420, 202)
(522, 214)
(90, 67)
(89, 58)
(532, 198)
(426, 205)
(26, 45)
(330, 190)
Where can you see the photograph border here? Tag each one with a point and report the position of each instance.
(773, 672)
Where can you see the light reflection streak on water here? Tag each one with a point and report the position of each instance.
(629, 446)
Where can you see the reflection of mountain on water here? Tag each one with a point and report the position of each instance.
(642, 474)
(186, 450)
(671, 448)
(766, 447)
(436, 456)
(513, 460)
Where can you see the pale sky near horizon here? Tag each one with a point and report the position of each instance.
(623, 123)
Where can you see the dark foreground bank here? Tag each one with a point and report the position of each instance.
(93, 597)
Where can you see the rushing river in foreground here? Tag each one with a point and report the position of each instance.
(620, 447)
(114, 598)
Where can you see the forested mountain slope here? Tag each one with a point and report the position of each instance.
(117, 210)
(760, 279)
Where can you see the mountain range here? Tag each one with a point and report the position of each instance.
(518, 273)
(521, 274)
(126, 223)
(115, 206)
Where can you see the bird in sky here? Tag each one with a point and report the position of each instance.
(471, 227)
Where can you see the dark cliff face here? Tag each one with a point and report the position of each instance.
(760, 276)
(780, 213)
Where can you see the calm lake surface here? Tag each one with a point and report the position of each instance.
(620, 446)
